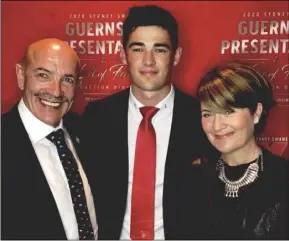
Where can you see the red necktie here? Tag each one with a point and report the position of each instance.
(143, 187)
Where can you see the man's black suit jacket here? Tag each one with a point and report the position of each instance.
(28, 209)
(106, 149)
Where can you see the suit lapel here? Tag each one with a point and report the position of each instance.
(71, 121)
(171, 169)
(175, 135)
(120, 139)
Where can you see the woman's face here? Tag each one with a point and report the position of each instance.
(229, 131)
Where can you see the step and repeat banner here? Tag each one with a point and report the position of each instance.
(210, 31)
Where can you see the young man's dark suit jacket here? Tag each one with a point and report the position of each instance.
(28, 209)
(106, 147)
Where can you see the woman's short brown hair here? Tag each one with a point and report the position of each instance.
(236, 85)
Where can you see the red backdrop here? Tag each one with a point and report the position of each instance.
(210, 31)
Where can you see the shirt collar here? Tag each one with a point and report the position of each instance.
(36, 129)
(166, 104)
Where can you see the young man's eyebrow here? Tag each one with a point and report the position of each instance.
(136, 44)
(162, 45)
(155, 45)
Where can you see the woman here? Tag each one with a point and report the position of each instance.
(248, 186)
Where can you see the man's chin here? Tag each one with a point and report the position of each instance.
(53, 123)
(51, 119)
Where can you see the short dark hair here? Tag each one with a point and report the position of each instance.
(236, 85)
(150, 15)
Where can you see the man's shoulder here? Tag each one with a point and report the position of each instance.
(108, 103)
(187, 104)
(9, 118)
(181, 96)
(111, 99)
(5, 118)
(12, 129)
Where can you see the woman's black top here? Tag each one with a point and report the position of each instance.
(261, 209)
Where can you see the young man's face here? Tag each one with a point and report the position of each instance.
(150, 58)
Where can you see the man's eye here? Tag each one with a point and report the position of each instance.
(136, 49)
(161, 50)
(68, 80)
(42, 75)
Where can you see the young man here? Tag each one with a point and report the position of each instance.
(45, 192)
(143, 141)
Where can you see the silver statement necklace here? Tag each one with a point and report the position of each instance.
(250, 175)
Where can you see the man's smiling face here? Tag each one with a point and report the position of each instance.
(48, 80)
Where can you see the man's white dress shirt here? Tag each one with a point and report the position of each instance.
(53, 170)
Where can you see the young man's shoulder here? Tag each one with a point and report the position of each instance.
(185, 97)
(186, 101)
(109, 100)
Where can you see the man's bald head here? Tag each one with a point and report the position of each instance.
(51, 46)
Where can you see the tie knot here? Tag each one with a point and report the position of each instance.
(148, 112)
(56, 137)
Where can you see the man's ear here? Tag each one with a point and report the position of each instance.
(79, 81)
(177, 56)
(123, 56)
(20, 73)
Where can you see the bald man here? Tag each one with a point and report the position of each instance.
(45, 192)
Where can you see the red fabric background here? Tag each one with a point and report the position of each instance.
(203, 25)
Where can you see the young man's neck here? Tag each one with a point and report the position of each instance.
(150, 98)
